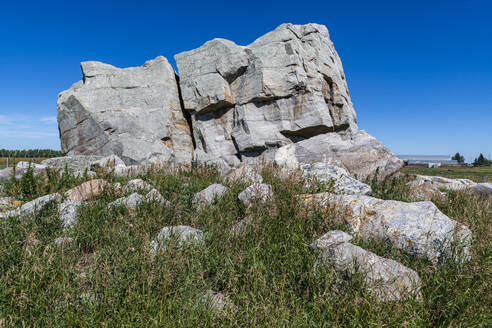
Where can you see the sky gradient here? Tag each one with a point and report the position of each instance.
(419, 72)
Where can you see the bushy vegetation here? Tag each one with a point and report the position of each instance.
(106, 276)
(482, 161)
(30, 153)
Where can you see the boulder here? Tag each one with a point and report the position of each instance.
(87, 190)
(241, 227)
(136, 184)
(67, 213)
(108, 163)
(207, 195)
(244, 173)
(184, 235)
(360, 154)
(442, 183)
(418, 228)
(127, 112)
(482, 189)
(386, 279)
(78, 163)
(35, 206)
(257, 192)
(131, 202)
(218, 303)
(287, 86)
(155, 196)
(342, 181)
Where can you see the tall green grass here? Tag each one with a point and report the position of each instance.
(106, 276)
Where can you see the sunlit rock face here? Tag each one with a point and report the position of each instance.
(131, 112)
(286, 86)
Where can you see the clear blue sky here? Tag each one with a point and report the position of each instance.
(419, 72)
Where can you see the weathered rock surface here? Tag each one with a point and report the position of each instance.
(67, 213)
(218, 303)
(87, 190)
(386, 279)
(241, 227)
(155, 196)
(137, 184)
(207, 195)
(342, 181)
(35, 206)
(108, 163)
(244, 173)
(419, 228)
(482, 189)
(288, 84)
(78, 163)
(360, 154)
(131, 202)
(61, 241)
(184, 235)
(130, 112)
(257, 192)
(443, 183)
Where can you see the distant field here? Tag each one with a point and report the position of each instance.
(3, 161)
(473, 173)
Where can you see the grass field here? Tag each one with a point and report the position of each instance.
(476, 174)
(12, 161)
(107, 278)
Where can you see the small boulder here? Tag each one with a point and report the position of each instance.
(387, 279)
(207, 195)
(67, 213)
(218, 303)
(130, 202)
(155, 196)
(343, 182)
(241, 227)
(35, 206)
(87, 190)
(259, 192)
(185, 235)
(108, 163)
(484, 189)
(244, 173)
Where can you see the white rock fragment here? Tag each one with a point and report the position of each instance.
(218, 303)
(136, 185)
(67, 213)
(131, 202)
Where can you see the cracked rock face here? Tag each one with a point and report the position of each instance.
(286, 86)
(129, 112)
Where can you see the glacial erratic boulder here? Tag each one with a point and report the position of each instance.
(287, 85)
(127, 112)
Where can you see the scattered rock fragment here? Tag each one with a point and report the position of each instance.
(67, 213)
(155, 196)
(241, 227)
(244, 173)
(130, 202)
(108, 163)
(35, 206)
(136, 185)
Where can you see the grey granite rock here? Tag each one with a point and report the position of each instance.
(78, 163)
(386, 279)
(35, 206)
(155, 196)
(244, 173)
(127, 112)
(257, 192)
(482, 189)
(342, 181)
(108, 163)
(136, 185)
(419, 228)
(442, 183)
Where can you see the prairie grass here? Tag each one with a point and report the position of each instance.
(106, 277)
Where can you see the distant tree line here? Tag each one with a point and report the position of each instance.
(482, 161)
(33, 153)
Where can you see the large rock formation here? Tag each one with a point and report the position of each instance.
(286, 89)
(132, 112)
(287, 85)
